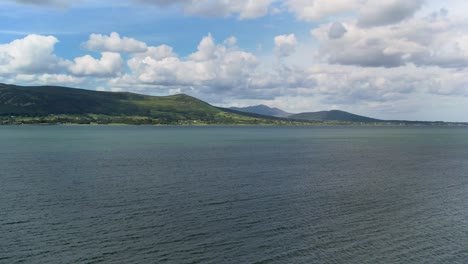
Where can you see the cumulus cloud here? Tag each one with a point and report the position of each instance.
(163, 2)
(158, 53)
(210, 64)
(451, 83)
(31, 54)
(110, 64)
(231, 41)
(206, 49)
(285, 45)
(387, 90)
(370, 12)
(378, 13)
(48, 79)
(390, 91)
(214, 71)
(423, 41)
(114, 43)
(56, 3)
(315, 10)
(296, 79)
(244, 9)
(337, 30)
(58, 79)
(349, 85)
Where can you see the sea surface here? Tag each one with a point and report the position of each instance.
(124, 194)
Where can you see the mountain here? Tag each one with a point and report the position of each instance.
(63, 105)
(53, 104)
(46, 100)
(333, 115)
(230, 110)
(263, 110)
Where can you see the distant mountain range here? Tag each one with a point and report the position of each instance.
(59, 105)
(333, 115)
(263, 110)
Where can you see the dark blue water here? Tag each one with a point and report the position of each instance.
(84, 194)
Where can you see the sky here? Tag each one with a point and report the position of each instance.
(388, 59)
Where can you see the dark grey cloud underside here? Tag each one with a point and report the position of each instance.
(337, 30)
(162, 2)
(44, 2)
(398, 11)
(368, 58)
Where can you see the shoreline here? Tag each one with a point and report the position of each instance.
(325, 124)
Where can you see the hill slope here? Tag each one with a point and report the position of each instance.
(333, 115)
(263, 110)
(46, 100)
(52, 104)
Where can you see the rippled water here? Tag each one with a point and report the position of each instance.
(83, 194)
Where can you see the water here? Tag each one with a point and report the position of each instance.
(83, 194)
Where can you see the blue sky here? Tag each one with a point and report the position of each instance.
(153, 25)
(392, 59)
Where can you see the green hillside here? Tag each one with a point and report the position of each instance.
(46, 100)
(333, 115)
(52, 104)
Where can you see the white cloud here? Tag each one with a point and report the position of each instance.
(438, 41)
(231, 41)
(49, 79)
(378, 13)
(206, 49)
(352, 85)
(369, 12)
(244, 9)
(315, 10)
(211, 71)
(55, 3)
(114, 43)
(211, 63)
(285, 45)
(59, 79)
(158, 53)
(26, 77)
(116, 90)
(31, 54)
(164, 2)
(110, 64)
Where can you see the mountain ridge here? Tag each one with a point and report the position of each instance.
(263, 110)
(333, 115)
(57, 104)
(43, 100)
